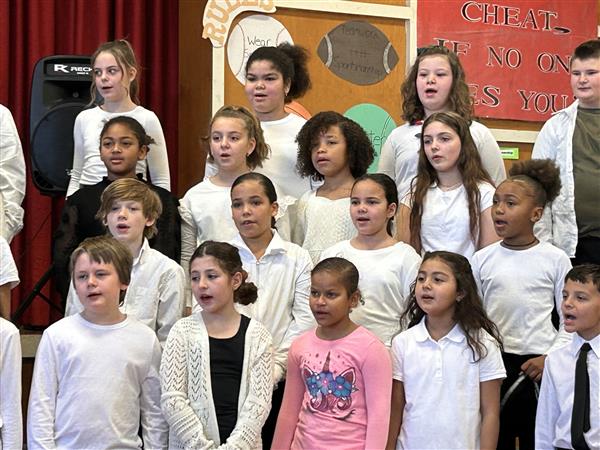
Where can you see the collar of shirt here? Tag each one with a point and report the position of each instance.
(577, 341)
(454, 335)
(276, 246)
(139, 259)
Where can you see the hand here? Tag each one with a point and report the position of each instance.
(534, 367)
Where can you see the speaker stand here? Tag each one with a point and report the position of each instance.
(36, 292)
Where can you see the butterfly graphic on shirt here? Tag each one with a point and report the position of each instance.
(329, 392)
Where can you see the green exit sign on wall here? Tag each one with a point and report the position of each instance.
(509, 152)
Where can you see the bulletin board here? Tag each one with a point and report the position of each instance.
(308, 22)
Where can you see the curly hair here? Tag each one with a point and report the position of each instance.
(459, 99)
(124, 55)
(261, 149)
(228, 259)
(358, 145)
(542, 176)
(470, 168)
(291, 62)
(469, 312)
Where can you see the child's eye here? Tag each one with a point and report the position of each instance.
(256, 202)
(427, 141)
(113, 70)
(372, 202)
(354, 202)
(314, 293)
(97, 72)
(82, 276)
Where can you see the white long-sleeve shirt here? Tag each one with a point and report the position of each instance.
(386, 275)
(89, 169)
(12, 176)
(282, 276)
(11, 421)
(94, 385)
(155, 295)
(519, 297)
(555, 404)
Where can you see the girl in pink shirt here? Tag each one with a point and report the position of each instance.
(338, 388)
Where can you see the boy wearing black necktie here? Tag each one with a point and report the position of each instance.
(568, 412)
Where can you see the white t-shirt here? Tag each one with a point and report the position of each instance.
(386, 275)
(282, 276)
(400, 154)
(8, 269)
(280, 167)
(445, 219)
(89, 169)
(11, 421)
(520, 288)
(155, 295)
(93, 385)
(442, 387)
(321, 222)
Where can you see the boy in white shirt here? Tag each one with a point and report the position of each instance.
(568, 416)
(96, 375)
(129, 208)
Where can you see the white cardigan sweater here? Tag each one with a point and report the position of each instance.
(187, 402)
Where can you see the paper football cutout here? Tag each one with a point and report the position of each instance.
(358, 52)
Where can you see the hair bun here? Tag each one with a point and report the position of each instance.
(247, 293)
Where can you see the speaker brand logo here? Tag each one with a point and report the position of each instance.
(69, 69)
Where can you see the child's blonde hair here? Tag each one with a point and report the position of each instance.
(105, 250)
(134, 190)
(123, 52)
(253, 128)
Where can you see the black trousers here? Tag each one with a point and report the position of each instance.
(517, 414)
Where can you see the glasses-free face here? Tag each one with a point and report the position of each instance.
(329, 154)
(98, 287)
(330, 301)
(213, 288)
(581, 309)
(111, 81)
(436, 289)
(252, 211)
(126, 221)
(120, 151)
(434, 83)
(514, 212)
(266, 90)
(442, 147)
(230, 144)
(369, 209)
(585, 81)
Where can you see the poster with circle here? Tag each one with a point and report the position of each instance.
(377, 123)
(252, 32)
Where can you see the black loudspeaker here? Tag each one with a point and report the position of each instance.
(60, 90)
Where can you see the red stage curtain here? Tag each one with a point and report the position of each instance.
(30, 30)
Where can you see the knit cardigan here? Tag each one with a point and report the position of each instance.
(187, 401)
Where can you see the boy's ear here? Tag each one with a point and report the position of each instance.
(150, 221)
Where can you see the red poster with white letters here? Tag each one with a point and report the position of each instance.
(516, 53)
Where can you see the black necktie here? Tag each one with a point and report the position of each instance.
(580, 420)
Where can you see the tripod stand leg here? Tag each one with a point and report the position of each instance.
(35, 292)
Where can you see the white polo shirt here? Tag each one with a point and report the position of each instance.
(441, 387)
(445, 219)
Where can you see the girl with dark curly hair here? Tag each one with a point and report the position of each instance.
(435, 82)
(335, 150)
(521, 301)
